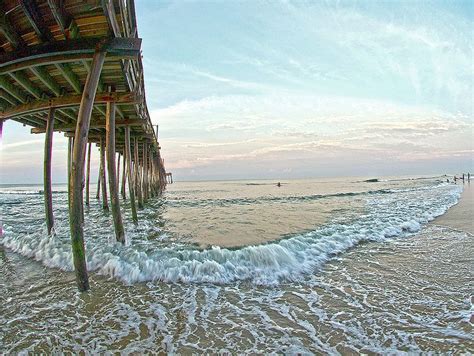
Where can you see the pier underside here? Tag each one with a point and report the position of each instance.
(74, 66)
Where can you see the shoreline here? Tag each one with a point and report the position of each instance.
(460, 216)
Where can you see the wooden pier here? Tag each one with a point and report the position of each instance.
(74, 66)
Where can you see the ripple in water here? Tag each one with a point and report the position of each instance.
(311, 292)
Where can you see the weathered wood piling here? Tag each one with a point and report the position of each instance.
(88, 172)
(48, 194)
(114, 193)
(105, 204)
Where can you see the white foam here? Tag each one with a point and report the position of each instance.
(388, 215)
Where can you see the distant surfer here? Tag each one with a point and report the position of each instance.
(278, 184)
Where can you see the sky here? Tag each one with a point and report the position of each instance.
(296, 89)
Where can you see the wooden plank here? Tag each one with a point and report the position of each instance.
(77, 173)
(111, 169)
(62, 102)
(68, 51)
(60, 15)
(31, 10)
(109, 12)
(8, 31)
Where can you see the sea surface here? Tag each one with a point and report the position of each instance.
(315, 266)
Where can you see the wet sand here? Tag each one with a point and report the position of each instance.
(460, 216)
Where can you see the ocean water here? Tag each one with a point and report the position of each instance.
(315, 266)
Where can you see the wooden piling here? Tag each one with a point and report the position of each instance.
(138, 184)
(151, 172)
(88, 172)
(113, 185)
(145, 172)
(128, 157)
(118, 170)
(48, 193)
(105, 203)
(124, 174)
(77, 171)
(69, 163)
(97, 195)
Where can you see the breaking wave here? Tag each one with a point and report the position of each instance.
(388, 214)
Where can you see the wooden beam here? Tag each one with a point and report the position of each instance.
(70, 76)
(95, 137)
(61, 102)
(8, 31)
(68, 51)
(48, 194)
(111, 169)
(93, 125)
(7, 97)
(77, 172)
(12, 90)
(109, 12)
(31, 10)
(59, 13)
(46, 79)
(87, 66)
(22, 79)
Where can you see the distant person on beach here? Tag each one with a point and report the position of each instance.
(278, 184)
(455, 179)
(468, 177)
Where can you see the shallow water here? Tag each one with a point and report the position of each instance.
(353, 268)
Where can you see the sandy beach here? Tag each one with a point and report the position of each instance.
(460, 216)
